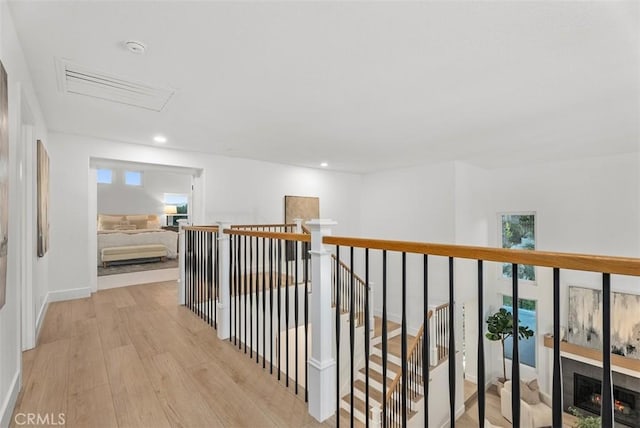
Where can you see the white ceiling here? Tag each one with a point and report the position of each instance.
(362, 85)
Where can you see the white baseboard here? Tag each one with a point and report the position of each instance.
(71, 294)
(40, 319)
(471, 378)
(6, 411)
(134, 278)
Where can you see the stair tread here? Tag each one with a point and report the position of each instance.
(390, 366)
(394, 345)
(374, 394)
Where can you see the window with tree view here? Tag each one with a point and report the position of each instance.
(518, 232)
(527, 318)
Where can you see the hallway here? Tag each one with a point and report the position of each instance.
(131, 357)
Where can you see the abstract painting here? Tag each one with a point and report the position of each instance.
(303, 207)
(4, 184)
(43, 200)
(585, 321)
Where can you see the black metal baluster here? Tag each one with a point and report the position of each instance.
(384, 336)
(557, 367)
(481, 380)
(607, 386)
(271, 305)
(367, 333)
(256, 284)
(187, 267)
(425, 341)
(264, 305)
(279, 284)
(286, 308)
(210, 275)
(245, 273)
(306, 322)
(295, 310)
(231, 296)
(515, 361)
(337, 338)
(404, 340)
(452, 349)
(352, 333)
(238, 291)
(216, 275)
(251, 276)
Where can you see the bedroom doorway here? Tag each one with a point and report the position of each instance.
(132, 214)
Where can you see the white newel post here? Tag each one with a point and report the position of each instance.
(322, 364)
(181, 260)
(224, 299)
(372, 321)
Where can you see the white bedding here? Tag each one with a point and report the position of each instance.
(125, 238)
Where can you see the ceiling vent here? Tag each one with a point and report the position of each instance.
(81, 80)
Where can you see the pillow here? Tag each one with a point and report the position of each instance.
(141, 217)
(530, 392)
(110, 218)
(153, 224)
(108, 222)
(125, 227)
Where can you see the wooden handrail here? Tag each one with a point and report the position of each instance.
(300, 237)
(410, 352)
(583, 262)
(348, 269)
(201, 228)
(244, 226)
(305, 229)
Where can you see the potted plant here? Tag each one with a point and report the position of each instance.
(500, 327)
(583, 420)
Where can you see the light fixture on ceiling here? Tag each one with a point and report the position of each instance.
(160, 139)
(324, 164)
(135, 47)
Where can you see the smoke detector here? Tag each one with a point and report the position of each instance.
(135, 47)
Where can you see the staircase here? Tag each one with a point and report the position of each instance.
(392, 395)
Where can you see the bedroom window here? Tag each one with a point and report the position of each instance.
(105, 176)
(176, 207)
(133, 178)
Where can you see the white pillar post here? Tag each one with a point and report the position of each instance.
(224, 299)
(322, 364)
(181, 261)
(376, 416)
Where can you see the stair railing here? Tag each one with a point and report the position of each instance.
(344, 288)
(393, 396)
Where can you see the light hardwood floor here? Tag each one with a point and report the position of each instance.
(131, 357)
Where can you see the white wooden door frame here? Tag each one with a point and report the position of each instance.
(26, 178)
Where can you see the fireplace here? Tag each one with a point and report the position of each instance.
(626, 403)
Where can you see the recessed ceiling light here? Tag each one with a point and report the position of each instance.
(324, 164)
(135, 47)
(161, 139)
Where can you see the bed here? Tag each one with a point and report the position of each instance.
(134, 230)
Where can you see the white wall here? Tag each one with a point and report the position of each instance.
(236, 190)
(588, 206)
(118, 198)
(584, 205)
(20, 92)
(413, 204)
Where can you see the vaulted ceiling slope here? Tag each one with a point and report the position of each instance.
(364, 86)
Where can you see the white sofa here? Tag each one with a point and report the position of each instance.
(531, 415)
